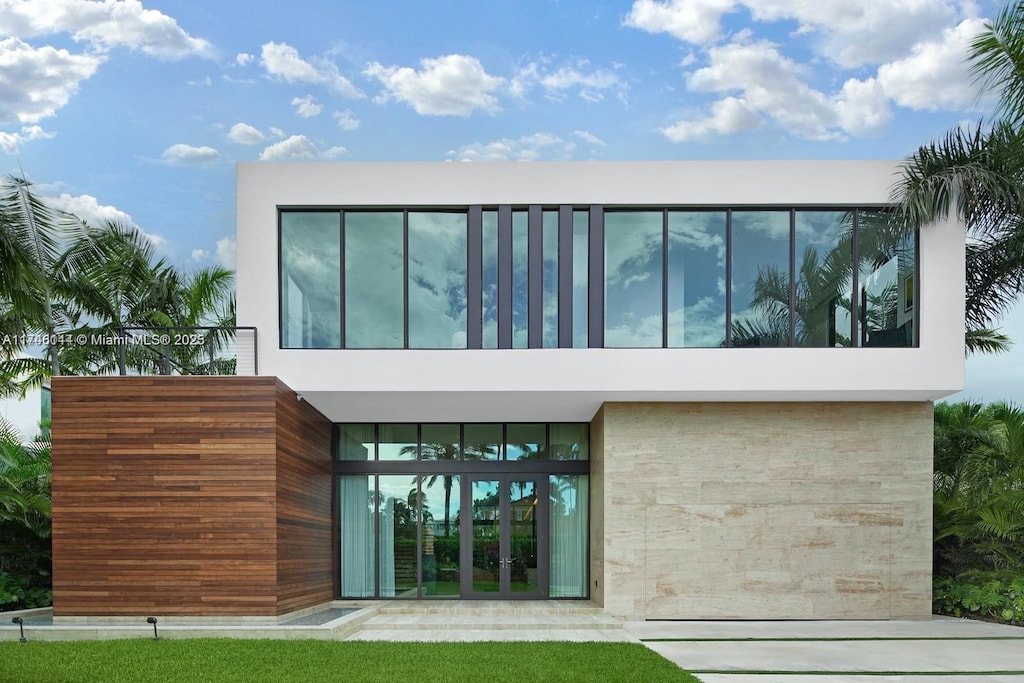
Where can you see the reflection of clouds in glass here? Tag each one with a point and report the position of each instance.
(310, 277)
(701, 325)
(374, 274)
(772, 224)
(634, 331)
(698, 230)
(822, 227)
(633, 276)
(437, 280)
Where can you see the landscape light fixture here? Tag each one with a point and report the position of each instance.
(21, 628)
(152, 620)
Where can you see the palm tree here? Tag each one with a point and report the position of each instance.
(978, 175)
(30, 238)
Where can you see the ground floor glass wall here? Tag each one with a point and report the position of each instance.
(503, 519)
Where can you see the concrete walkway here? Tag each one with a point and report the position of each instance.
(947, 650)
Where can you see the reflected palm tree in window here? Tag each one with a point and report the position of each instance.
(451, 452)
(823, 287)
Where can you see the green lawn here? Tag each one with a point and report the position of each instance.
(218, 661)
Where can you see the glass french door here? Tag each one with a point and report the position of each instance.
(506, 549)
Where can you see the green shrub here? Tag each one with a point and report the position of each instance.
(991, 595)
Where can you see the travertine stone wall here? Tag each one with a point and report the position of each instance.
(762, 510)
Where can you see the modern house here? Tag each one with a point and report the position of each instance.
(681, 390)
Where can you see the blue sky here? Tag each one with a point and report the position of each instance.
(139, 110)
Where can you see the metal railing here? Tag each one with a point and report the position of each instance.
(183, 350)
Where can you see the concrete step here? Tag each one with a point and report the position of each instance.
(490, 622)
(579, 635)
(490, 607)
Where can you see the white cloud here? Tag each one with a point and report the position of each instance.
(103, 24)
(728, 116)
(187, 155)
(346, 120)
(864, 32)
(200, 255)
(277, 132)
(282, 61)
(588, 83)
(299, 147)
(525, 148)
(36, 82)
(243, 59)
(695, 21)
(244, 134)
(765, 85)
(226, 252)
(588, 137)
(89, 209)
(10, 142)
(863, 108)
(307, 106)
(934, 75)
(453, 85)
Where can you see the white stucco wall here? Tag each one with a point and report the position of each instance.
(571, 384)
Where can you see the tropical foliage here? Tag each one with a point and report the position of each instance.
(63, 281)
(977, 174)
(25, 559)
(979, 509)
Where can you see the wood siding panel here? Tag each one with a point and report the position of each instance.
(164, 496)
(304, 522)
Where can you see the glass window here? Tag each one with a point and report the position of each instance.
(569, 520)
(398, 532)
(397, 442)
(525, 442)
(520, 280)
(437, 280)
(355, 521)
(490, 279)
(440, 442)
(483, 442)
(374, 280)
(633, 278)
(550, 279)
(355, 442)
(760, 278)
(824, 277)
(887, 282)
(441, 505)
(570, 441)
(310, 280)
(696, 278)
(580, 278)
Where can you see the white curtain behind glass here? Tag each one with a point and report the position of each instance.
(569, 506)
(356, 536)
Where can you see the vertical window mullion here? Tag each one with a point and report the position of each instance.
(565, 261)
(505, 276)
(855, 280)
(595, 286)
(535, 277)
(474, 278)
(728, 277)
(664, 278)
(792, 277)
(405, 279)
(341, 300)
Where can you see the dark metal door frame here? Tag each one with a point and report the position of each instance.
(504, 591)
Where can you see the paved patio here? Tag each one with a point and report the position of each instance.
(948, 650)
(940, 649)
